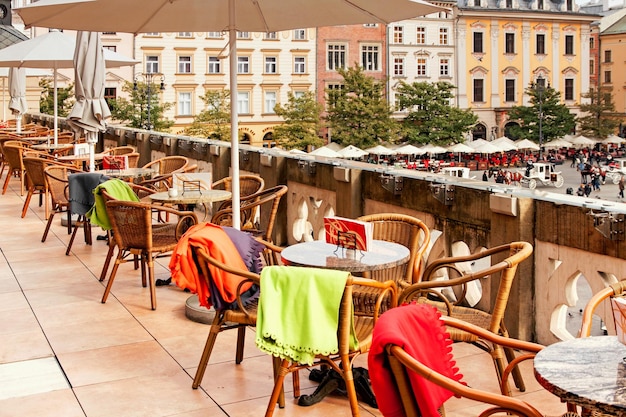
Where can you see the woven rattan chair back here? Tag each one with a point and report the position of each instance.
(133, 159)
(248, 184)
(408, 231)
(599, 299)
(258, 212)
(121, 150)
(37, 184)
(168, 164)
(502, 263)
(13, 152)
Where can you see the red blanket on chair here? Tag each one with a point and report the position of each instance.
(216, 242)
(419, 331)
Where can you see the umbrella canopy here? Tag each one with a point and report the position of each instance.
(408, 149)
(145, 16)
(52, 50)
(90, 109)
(17, 91)
(487, 147)
(582, 141)
(476, 143)
(525, 144)
(460, 148)
(568, 138)
(503, 139)
(505, 146)
(433, 149)
(380, 150)
(326, 152)
(557, 143)
(352, 151)
(613, 139)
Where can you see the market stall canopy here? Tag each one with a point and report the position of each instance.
(380, 150)
(526, 145)
(326, 152)
(352, 151)
(408, 149)
(460, 148)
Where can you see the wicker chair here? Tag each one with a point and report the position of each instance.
(342, 361)
(258, 212)
(134, 233)
(56, 177)
(165, 168)
(441, 293)
(248, 185)
(37, 184)
(408, 374)
(13, 152)
(120, 150)
(407, 231)
(239, 317)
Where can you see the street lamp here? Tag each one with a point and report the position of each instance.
(148, 78)
(539, 89)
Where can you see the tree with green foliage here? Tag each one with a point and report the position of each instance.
(431, 117)
(302, 122)
(214, 121)
(135, 111)
(557, 120)
(358, 112)
(600, 119)
(65, 98)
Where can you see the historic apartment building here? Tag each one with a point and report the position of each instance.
(502, 47)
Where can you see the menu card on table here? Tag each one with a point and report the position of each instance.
(348, 233)
(115, 162)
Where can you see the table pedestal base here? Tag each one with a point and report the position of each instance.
(330, 381)
(195, 312)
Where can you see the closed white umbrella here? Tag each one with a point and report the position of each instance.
(17, 91)
(53, 50)
(90, 109)
(146, 16)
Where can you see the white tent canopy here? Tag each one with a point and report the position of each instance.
(408, 149)
(525, 144)
(325, 152)
(380, 150)
(460, 148)
(352, 151)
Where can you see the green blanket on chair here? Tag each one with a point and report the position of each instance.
(118, 189)
(298, 312)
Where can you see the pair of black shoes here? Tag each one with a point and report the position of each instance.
(331, 381)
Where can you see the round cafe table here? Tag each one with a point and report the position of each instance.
(189, 199)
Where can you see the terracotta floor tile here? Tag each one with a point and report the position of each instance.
(24, 345)
(48, 404)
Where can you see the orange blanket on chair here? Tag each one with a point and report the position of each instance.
(215, 241)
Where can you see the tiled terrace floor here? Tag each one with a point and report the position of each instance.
(63, 353)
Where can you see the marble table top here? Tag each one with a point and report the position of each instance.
(319, 254)
(589, 372)
(192, 197)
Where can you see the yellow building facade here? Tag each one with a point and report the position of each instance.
(504, 50)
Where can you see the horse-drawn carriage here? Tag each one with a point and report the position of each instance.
(543, 173)
(616, 169)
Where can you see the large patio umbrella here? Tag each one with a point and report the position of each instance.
(90, 109)
(326, 152)
(146, 16)
(459, 148)
(53, 50)
(352, 151)
(526, 145)
(613, 140)
(17, 91)
(557, 144)
(583, 141)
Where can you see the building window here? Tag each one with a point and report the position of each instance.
(336, 56)
(214, 65)
(214, 34)
(271, 36)
(299, 65)
(444, 67)
(478, 90)
(509, 4)
(299, 94)
(607, 55)
(398, 34)
(184, 34)
(592, 67)
(540, 4)
(110, 95)
(509, 90)
(152, 64)
(184, 65)
(443, 36)
(271, 66)
(398, 67)
(421, 35)
(370, 58)
(270, 101)
(476, 3)
(569, 44)
(421, 67)
(243, 35)
(478, 43)
(243, 102)
(607, 77)
(299, 34)
(184, 104)
(110, 47)
(569, 89)
(570, 5)
(509, 43)
(541, 44)
(592, 42)
(243, 65)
